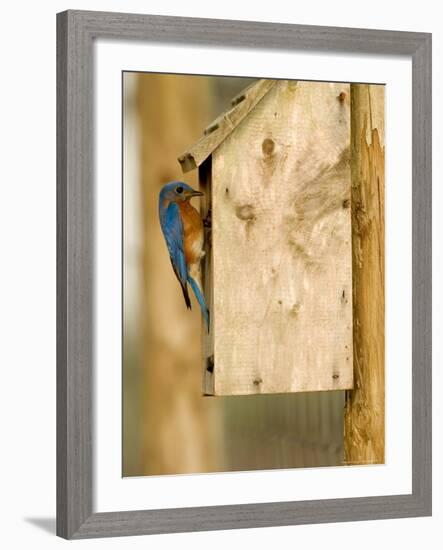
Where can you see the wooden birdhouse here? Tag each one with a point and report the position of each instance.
(277, 274)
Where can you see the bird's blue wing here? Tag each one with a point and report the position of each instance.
(173, 231)
(172, 227)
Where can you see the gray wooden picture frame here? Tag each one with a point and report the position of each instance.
(76, 32)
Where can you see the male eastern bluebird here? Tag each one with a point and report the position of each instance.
(182, 228)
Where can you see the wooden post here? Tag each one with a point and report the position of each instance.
(364, 410)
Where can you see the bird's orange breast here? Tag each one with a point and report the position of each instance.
(192, 232)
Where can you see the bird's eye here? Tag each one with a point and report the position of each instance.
(179, 189)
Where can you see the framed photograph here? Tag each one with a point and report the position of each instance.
(243, 274)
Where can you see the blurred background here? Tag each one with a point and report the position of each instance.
(168, 426)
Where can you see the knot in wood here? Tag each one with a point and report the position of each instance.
(245, 212)
(268, 147)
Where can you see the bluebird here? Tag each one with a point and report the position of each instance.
(182, 228)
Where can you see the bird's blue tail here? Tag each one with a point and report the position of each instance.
(200, 300)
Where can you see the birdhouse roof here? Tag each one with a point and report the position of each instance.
(219, 129)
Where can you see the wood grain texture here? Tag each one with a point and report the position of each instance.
(75, 517)
(218, 130)
(198, 30)
(281, 233)
(266, 514)
(75, 251)
(365, 405)
(422, 274)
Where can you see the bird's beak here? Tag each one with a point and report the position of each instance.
(195, 194)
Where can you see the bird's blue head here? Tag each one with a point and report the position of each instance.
(176, 191)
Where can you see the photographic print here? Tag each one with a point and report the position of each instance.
(253, 274)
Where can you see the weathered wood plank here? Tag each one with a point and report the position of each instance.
(281, 254)
(365, 409)
(222, 126)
